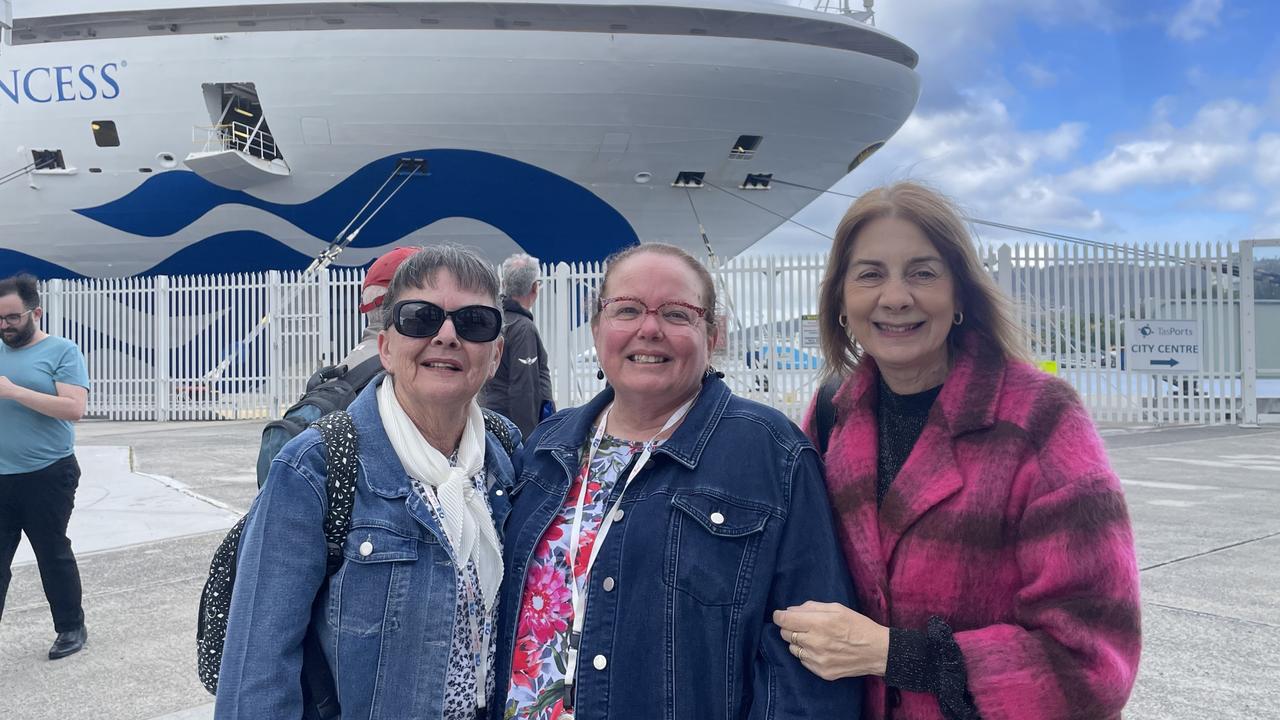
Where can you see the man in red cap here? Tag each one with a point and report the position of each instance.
(376, 281)
(331, 388)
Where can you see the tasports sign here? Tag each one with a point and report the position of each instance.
(60, 83)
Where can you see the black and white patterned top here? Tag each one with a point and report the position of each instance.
(473, 628)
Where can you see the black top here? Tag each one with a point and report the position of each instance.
(901, 419)
(927, 660)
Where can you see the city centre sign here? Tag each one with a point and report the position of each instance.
(1162, 345)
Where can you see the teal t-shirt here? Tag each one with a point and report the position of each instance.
(30, 441)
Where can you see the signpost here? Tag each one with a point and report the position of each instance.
(1162, 345)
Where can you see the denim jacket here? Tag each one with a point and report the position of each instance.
(728, 522)
(385, 619)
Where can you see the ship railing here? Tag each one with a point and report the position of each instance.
(841, 7)
(237, 136)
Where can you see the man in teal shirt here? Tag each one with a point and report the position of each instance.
(43, 389)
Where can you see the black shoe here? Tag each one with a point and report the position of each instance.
(69, 643)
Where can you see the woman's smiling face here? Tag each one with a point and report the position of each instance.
(899, 297)
(654, 359)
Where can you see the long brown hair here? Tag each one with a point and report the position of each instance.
(986, 311)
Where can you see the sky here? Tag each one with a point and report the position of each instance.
(1125, 121)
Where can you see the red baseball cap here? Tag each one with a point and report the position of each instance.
(379, 277)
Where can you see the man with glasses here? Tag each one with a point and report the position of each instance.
(43, 389)
(521, 389)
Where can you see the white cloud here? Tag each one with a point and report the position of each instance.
(1195, 19)
(1233, 198)
(1039, 75)
(1216, 139)
(1267, 163)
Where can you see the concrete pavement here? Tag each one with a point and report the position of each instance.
(1205, 504)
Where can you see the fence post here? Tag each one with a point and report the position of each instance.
(55, 308)
(274, 342)
(561, 291)
(1248, 338)
(162, 348)
(324, 320)
(1004, 271)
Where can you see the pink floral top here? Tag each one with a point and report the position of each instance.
(541, 652)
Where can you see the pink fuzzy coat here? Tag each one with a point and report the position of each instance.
(1006, 521)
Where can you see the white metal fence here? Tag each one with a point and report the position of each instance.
(242, 346)
(1074, 300)
(204, 347)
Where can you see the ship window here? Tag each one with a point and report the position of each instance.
(144, 170)
(689, 179)
(746, 146)
(758, 181)
(105, 134)
(48, 160)
(95, 171)
(866, 153)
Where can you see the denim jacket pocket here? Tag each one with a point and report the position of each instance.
(711, 545)
(368, 593)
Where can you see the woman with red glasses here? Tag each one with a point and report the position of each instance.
(655, 529)
(405, 624)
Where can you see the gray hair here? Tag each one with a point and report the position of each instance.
(473, 273)
(519, 273)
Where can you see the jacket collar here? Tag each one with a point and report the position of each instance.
(384, 473)
(685, 445)
(931, 474)
(509, 305)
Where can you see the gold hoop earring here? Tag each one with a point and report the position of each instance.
(959, 318)
(844, 321)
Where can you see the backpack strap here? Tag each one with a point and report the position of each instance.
(826, 411)
(342, 445)
(496, 424)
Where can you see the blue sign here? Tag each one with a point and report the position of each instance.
(60, 83)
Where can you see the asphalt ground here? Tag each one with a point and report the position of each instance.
(1205, 504)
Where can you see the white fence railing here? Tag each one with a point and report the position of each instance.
(204, 347)
(242, 346)
(1074, 300)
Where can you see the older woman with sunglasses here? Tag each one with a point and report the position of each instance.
(406, 622)
(655, 529)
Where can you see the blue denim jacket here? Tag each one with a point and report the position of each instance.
(385, 619)
(685, 631)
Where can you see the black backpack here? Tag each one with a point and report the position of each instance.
(329, 389)
(825, 412)
(320, 699)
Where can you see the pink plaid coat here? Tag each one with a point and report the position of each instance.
(1006, 521)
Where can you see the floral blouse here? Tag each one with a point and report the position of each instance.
(473, 632)
(541, 652)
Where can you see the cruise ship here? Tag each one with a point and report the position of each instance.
(144, 137)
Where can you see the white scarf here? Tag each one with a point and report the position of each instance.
(466, 519)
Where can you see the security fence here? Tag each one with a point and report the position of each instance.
(242, 346)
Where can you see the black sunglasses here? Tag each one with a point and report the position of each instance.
(421, 319)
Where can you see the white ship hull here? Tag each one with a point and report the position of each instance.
(536, 139)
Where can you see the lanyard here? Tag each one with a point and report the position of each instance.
(580, 593)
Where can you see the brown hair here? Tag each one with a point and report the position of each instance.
(986, 311)
(656, 248)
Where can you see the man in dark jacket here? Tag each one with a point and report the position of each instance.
(521, 389)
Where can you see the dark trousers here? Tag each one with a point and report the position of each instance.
(39, 504)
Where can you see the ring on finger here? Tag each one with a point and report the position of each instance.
(800, 654)
(795, 637)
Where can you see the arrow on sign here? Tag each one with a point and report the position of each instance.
(1170, 362)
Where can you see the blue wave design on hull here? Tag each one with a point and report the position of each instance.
(549, 216)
